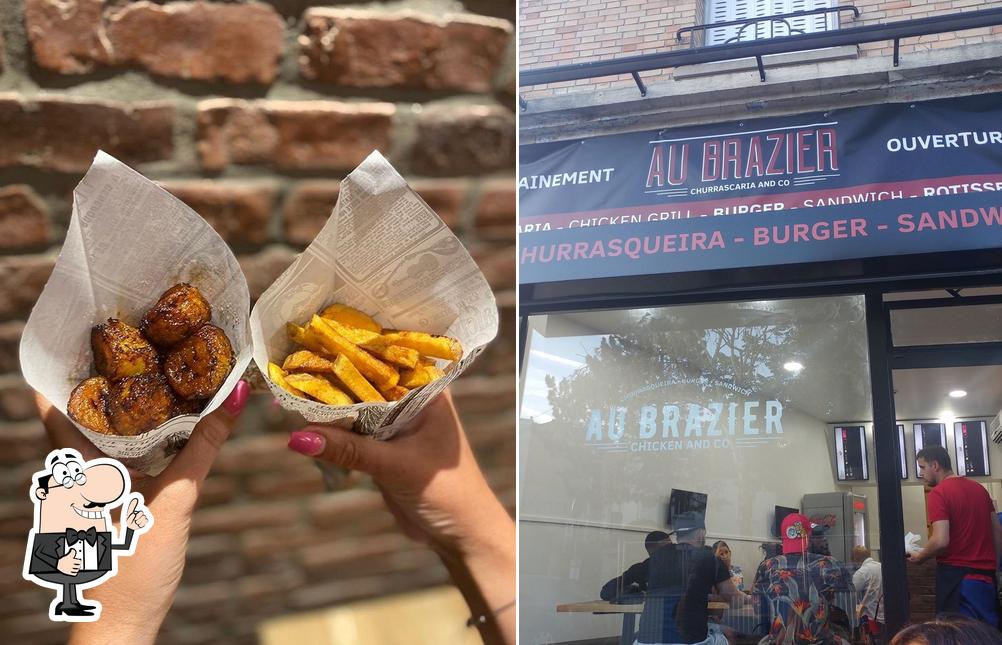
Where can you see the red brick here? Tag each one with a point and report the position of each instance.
(10, 340)
(475, 395)
(63, 134)
(203, 41)
(347, 549)
(23, 441)
(300, 482)
(307, 207)
(445, 197)
(291, 135)
(22, 278)
(340, 591)
(238, 43)
(217, 490)
(24, 221)
(367, 49)
(264, 268)
(239, 212)
(331, 510)
(256, 454)
(17, 400)
(235, 518)
(66, 38)
(463, 140)
(406, 557)
(495, 217)
(497, 263)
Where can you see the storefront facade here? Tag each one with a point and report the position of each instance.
(746, 311)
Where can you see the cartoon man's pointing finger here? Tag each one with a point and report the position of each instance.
(72, 541)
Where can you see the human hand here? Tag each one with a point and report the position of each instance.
(135, 601)
(69, 564)
(433, 486)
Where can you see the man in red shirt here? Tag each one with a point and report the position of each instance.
(966, 539)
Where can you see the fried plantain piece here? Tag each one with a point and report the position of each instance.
(194, 406)
(420, 375)
(88, 405)
(428, 344)
(307, 361)
(179, 312)
(395, 393)
(319, 388)
(120, 350)
(351, 317)
(137, 404)
(355, 382)
(277, 375)
(197, 366)
(374, 369)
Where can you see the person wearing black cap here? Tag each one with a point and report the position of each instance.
(681, 577)
(632, 583)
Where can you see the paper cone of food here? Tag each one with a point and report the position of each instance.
(142, 328)
(379, 313)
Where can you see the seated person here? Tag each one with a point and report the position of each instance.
(633, 581)
(868, 582)
(681, 577)
(800, 587)
(723, 551)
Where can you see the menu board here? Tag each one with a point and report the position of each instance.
(928, 434)
(901, 451)
(850, 453)
(971, 439)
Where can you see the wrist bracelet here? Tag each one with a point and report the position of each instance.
(482, 618)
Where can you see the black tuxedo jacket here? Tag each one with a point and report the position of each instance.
(48, 548)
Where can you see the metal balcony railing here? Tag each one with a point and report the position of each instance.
(772, 21)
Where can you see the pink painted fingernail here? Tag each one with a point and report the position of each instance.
(237, 399)
(306, 443)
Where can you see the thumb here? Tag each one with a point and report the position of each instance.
(341, 447)
(196, 458)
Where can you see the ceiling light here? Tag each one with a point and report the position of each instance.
(793, 366)
(958, 394)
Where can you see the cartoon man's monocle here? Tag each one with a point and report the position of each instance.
(71, 543)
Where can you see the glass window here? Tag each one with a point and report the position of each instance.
(946, 325)
(635, 421)
(728, 10)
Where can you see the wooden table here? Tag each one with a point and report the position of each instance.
(629, 613)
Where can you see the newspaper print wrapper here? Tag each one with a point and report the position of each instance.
(385, 252)
(127, 242)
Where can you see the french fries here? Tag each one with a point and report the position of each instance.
(278, 375)
(381, 374)
(319, 388)
(355, 382)
(427, 344)
(343, 356)
(420, 375)
(307, 361)
(351, 317)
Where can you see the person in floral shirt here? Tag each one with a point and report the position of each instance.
(800, 587)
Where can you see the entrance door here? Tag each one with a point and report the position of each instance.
(947, 378)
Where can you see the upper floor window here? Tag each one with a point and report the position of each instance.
(730, 10)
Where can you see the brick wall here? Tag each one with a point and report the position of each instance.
(561, 32)
(251, 112)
